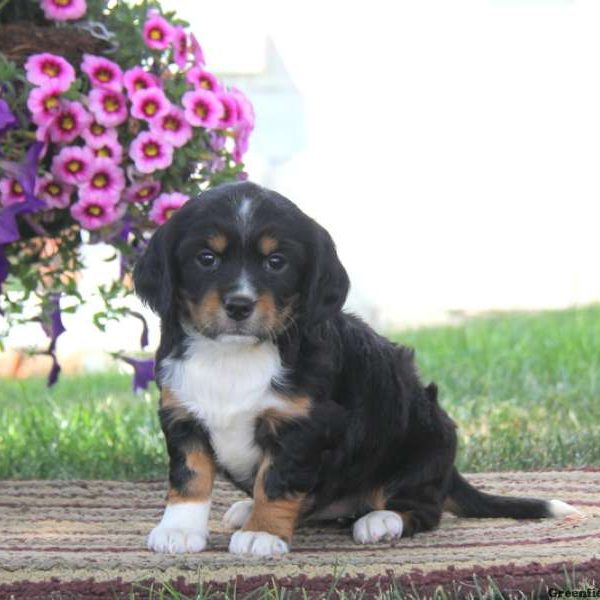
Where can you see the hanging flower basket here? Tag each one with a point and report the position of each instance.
(19, 41)
(109, 122)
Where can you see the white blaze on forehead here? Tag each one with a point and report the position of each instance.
(244, 287)
(244, 212)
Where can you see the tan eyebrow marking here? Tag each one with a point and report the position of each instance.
(267, 244)
(217, 242)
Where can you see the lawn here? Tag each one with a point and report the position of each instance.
(523, 388)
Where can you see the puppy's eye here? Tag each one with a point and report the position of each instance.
(275, 262)
(208, 259)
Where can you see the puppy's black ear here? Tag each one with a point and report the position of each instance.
(152, 276)
(327, 281)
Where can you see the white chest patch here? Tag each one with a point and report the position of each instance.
(226, 385)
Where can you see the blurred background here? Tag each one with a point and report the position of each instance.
(451, 149)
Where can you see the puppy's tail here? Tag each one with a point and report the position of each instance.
(464, 500)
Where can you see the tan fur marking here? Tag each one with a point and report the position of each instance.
(278, 517)
(199, 487)
(451, 506)
(376, 499)
(217, 242)
(297, 406)
(267, 244)
(274, 319)
(266, 308)
(168, 402)
(205, 312)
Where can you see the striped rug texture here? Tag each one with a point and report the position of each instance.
(88, 537)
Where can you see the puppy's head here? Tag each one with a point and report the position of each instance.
(241, 260)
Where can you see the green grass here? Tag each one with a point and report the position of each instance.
(523, 388)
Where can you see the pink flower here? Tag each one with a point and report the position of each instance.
(245, 109)
(137, 79)
(157, 32)
(173, 128)
(64, 10)
(202, 108)
(109, 107)
(97, 135)
(229, 115)
(150, 152)
(197, 51)
(53, 192)
(149, 104)
(11, 191)
(245, 124)
(105, 179)
(44, 102)
(46, 68)
(102, 72)
(111, 149)
(202, 79)
(69, 122)
(165, 205)
(95, 211)
(180, 47)
(73, 164)
(143, 191)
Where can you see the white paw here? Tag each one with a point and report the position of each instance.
(237, 514)
(173, 540)
(257, 543)
(376, 526)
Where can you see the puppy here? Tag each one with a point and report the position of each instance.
(265, 379)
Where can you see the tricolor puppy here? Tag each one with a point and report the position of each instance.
(266, 380)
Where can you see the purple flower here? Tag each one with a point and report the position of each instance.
(25, 172)
(4, 268)
(143, 371)
(54, 370)
(7, 118)
(51, 321)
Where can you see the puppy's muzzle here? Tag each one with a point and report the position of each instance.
(238, 307)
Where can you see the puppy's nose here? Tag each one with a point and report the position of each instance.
(238, 307)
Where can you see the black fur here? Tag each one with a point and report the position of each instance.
(373, 425)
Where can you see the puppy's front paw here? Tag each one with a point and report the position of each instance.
(238, 514)
(257, 543)
(376, 526)
(173, 540)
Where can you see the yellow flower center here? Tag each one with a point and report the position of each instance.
(200, 110)
(62, 2)
(103, 75)
(74, 166)
(104, 152)
(111, 104)
(151, 149)
(156, 34)
(53, 189)
(50, 102)
(100, 180)
(144, 192)
(97, 129)
(150, 108)
(51, 69)
(67, 123)
(139, 84)
(205, 83)
(167, 214)
(94, 210)
(17, 188)
(171, 123)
